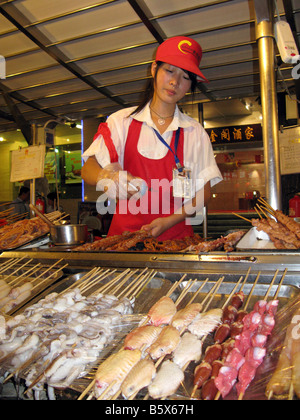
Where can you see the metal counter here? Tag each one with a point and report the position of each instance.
(220, 263)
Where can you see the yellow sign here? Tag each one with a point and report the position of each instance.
(27, 163)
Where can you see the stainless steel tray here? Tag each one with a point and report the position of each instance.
(161, 284)
(287, 293)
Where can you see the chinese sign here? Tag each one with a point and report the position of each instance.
(235, 134)
(289, 142)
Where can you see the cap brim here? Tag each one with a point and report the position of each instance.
(191, 68)
(202, 78)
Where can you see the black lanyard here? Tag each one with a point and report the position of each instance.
(177, 161)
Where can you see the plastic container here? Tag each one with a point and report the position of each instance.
(294, 205)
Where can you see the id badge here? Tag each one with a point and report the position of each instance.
(182, 183)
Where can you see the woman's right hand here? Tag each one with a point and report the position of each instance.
(119, 184)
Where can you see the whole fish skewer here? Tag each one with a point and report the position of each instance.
(139, 377)
(206, 322)
(196, 352)
(167, 329)
(166, 343)
(114, 370)
(142, 337)
(167, 381)
(162, 312)
(169, 336)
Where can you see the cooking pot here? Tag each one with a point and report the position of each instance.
(62, 235)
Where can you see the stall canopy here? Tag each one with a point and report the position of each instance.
(75, 59)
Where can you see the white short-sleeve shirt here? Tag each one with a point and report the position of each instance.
(198, 151)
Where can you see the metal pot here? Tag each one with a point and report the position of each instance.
(62, 235)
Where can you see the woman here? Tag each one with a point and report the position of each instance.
(160, 147)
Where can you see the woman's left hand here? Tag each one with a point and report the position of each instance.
(158, 226)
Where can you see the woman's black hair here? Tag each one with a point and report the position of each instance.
(149, 91)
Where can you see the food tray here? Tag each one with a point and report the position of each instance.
(158, 287)
(34, 242)
(287, 292)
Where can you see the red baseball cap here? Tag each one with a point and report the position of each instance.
(183, 52)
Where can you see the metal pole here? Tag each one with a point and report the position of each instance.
(265, 38)
(32, 181)
(205, 216)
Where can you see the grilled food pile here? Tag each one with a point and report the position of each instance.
(22, 232)
(140, 241)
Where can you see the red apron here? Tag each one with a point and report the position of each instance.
(158, 202)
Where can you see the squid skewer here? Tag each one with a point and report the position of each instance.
(36, 355)
(18, 295)
(50, 366)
